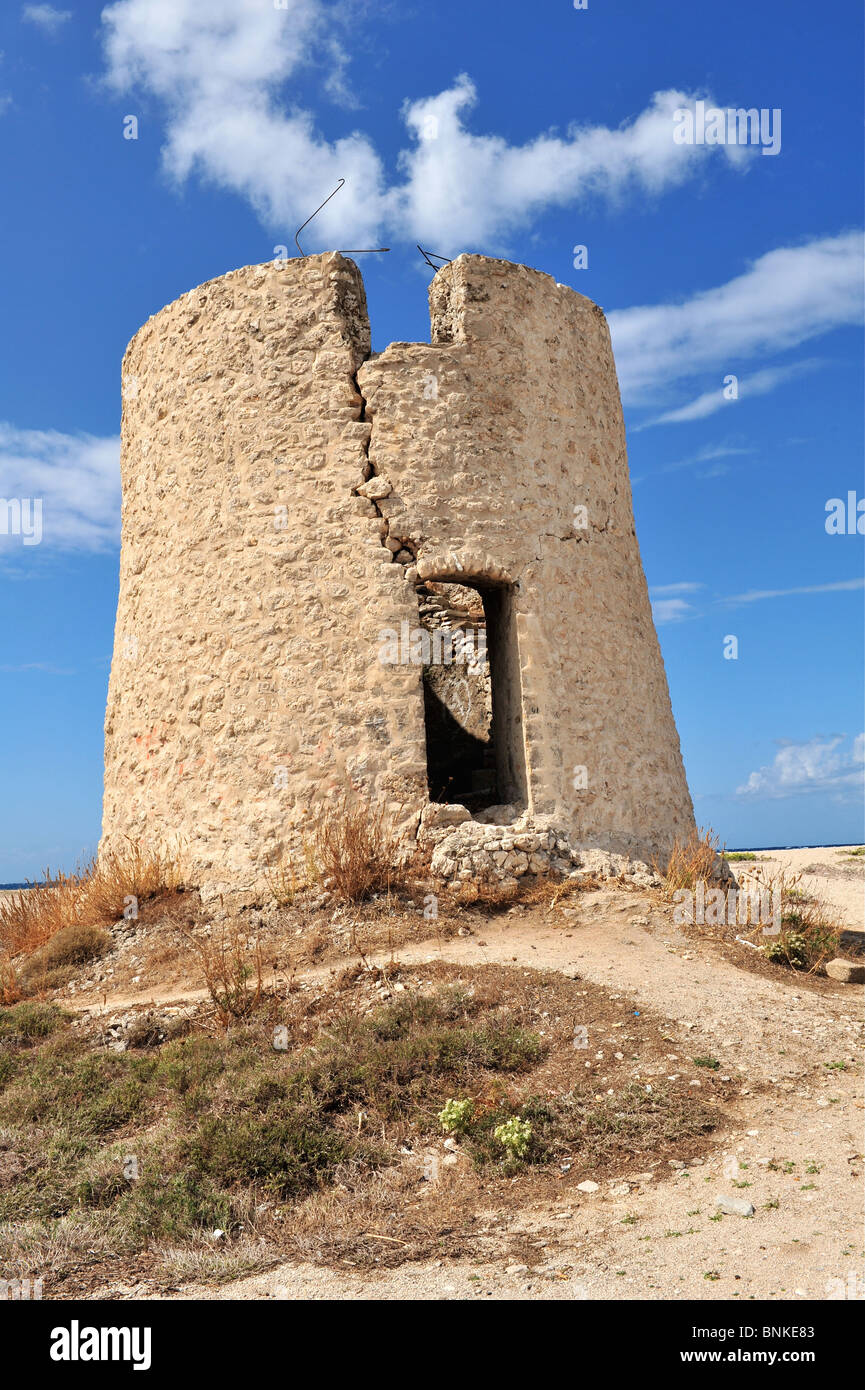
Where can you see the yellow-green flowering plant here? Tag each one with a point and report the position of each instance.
(455, 1115)
(515, 1135)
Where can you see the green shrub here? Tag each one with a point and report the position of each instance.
(31, 1021)
(515, 1136)
(288, 1154)
(455, 1115)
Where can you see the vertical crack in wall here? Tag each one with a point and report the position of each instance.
(401, 549)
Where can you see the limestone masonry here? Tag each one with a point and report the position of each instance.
(413, 572)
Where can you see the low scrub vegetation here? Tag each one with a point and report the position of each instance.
(808, 933)
(794, 928)
(158, 1146)
(56, 961)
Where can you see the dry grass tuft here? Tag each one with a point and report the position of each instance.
(691, 861)
(233, 969)
(487, 892)
(484, 890)
(356, 848)
(284, 882)
(96, 895)
(10, 985)
(52, 963)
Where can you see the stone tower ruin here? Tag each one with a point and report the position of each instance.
(413, 573)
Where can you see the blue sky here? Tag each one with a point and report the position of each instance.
(490, 127)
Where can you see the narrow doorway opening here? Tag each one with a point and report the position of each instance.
(471, 686)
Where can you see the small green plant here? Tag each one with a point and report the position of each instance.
(711, 1062)
(456, 1115)
(798, 895)
(791, 948)
(30, 1021)
(740, 856)
(514, 1135)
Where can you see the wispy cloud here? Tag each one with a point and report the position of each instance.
(668, 605)
(77, 476)
(710, 454)
(46, 17)
(819, 765)
(685, 587)
(671, 610)
(756, 595)
(223, 73)
(757, 384)
(786, 297)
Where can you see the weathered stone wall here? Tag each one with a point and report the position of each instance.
(253, 583)
(493, 438)
(283, 494)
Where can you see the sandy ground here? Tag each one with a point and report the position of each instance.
(795, 1150)
(830, 874)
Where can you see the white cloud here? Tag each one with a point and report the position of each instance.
(43, 667)
(217, 69)
(710, 454)
(222, 70)
(821, 764)
(465, 188)
(757, 384)
(786, 297)
(77, 476)
(46, 17)
(754, 595)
